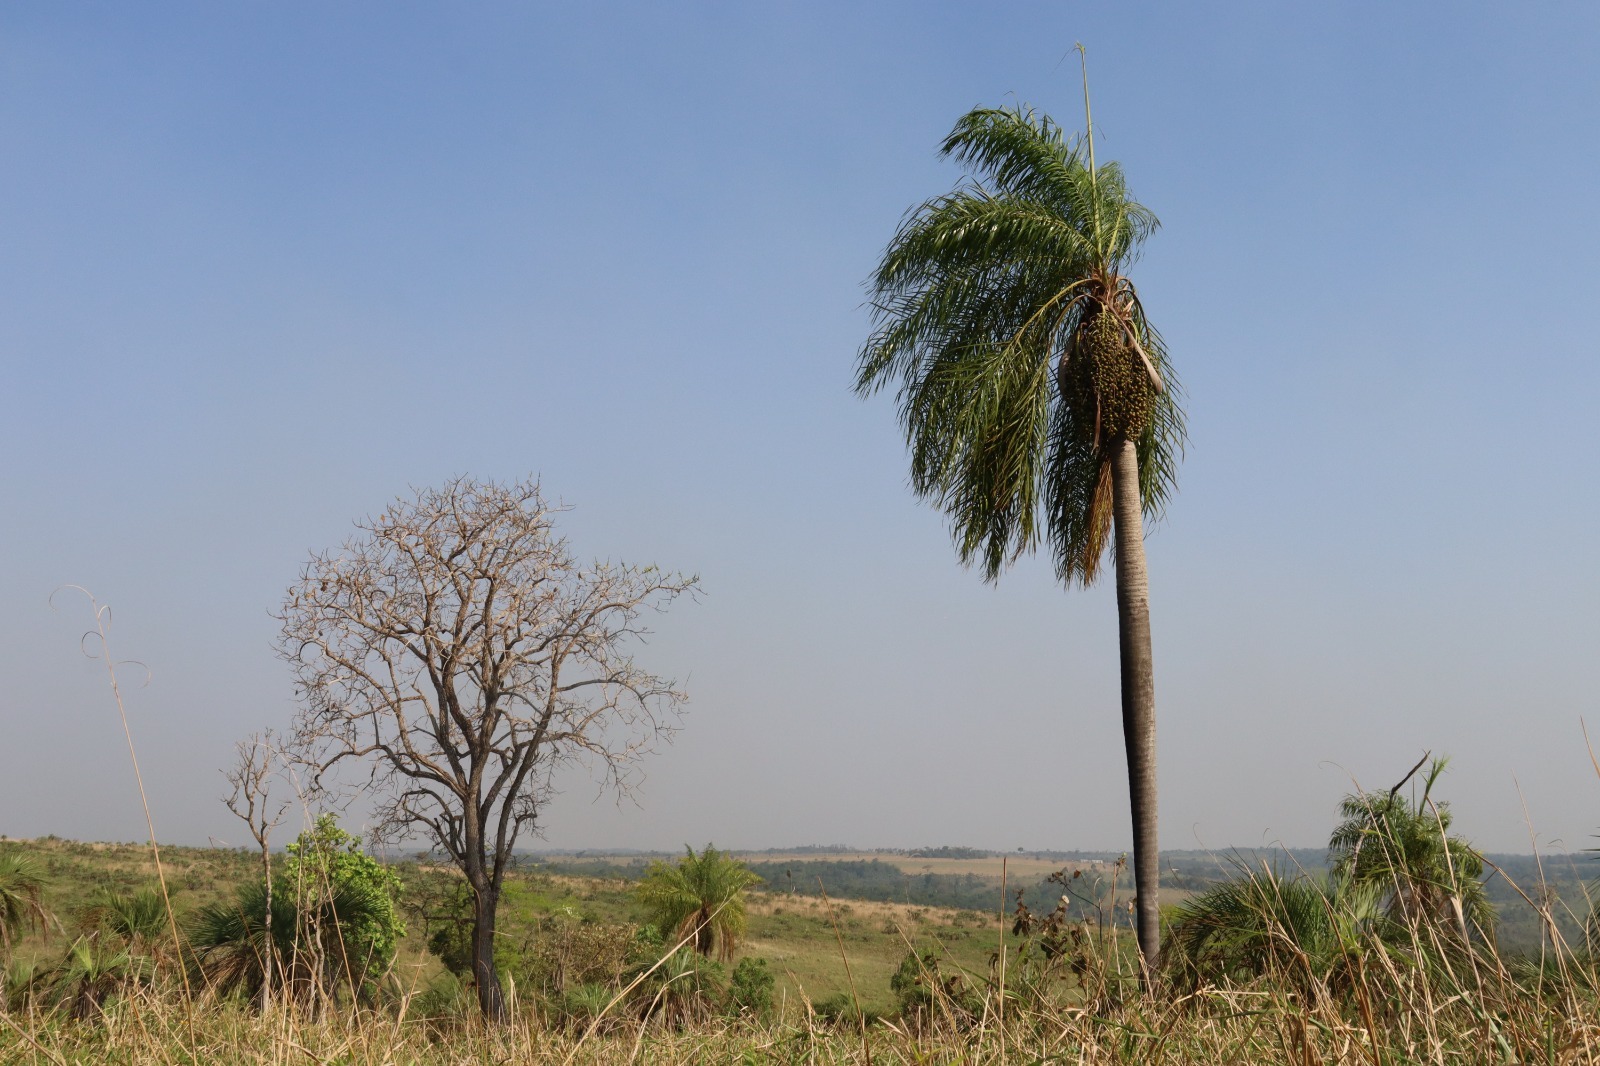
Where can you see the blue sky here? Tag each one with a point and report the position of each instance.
(265, 267)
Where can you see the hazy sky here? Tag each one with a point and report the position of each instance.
(263, 267)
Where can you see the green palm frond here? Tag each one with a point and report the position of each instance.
(21, 891)
(93, 972)
(1403, 846)
(135, 918)
(315, 943)
(1265, 922)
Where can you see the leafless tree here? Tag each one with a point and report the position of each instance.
(457, 648)
(251, 801)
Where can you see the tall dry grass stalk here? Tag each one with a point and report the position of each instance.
(102, 618)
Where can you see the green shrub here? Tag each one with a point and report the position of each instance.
(750, 988)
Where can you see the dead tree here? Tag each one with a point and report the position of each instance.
(251, 801)
(458, 649)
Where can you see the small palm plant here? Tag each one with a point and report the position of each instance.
(21, 892)
(701, 896)
(310, 948)
(137, 920)
(1403, 847)
(1309, 931)
(93, 972)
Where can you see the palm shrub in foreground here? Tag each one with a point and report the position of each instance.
(137, 920)
(21, 888)
(310, 949)
(1309, 932)
(94, 971)
(1400, 888)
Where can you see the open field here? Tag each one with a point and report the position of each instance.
(800, 936)
(1483, 1009)
(1017, 868)
(1486, 1008)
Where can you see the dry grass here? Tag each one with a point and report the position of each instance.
(1259, 1024)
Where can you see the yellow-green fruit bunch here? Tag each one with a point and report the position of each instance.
(1111, 368)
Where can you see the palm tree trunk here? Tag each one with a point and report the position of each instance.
(1138, 695)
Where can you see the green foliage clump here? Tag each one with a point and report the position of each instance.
(841, 1009)
(21, 887)
(334, 923)
(325, 861)
(923, 989)
(1403, 847)
(1400, 884)
(701, 898)
(686, 988)
(1307, 931)
(567, 952)
(750, 988)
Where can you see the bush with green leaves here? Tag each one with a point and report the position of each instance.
(750, 988)
(685, 988)
(842, 1010)
(93, 972)
(334, 923)
(565, 952)
(324, 861)
(1307, 931)
(1403, 847)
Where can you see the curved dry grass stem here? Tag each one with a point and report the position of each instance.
(102, 613)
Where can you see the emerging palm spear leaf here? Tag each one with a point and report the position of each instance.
(1034, 393)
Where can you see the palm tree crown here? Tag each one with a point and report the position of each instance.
(703, 896)
(1022, 352)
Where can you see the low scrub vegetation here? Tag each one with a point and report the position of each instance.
(1387, 954)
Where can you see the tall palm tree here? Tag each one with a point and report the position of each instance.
(1034, 393)
(703, 896)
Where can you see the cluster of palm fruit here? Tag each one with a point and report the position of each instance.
(1104, 378)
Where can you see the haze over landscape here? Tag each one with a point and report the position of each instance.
(266, 268)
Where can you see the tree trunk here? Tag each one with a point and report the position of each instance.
(490, 998)
(269, 961)
(1138, 696)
